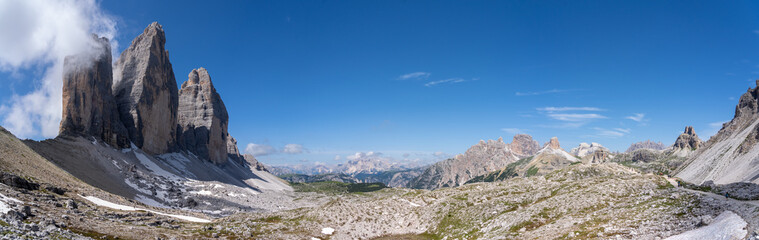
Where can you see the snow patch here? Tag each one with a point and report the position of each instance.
(328, 230)
(4, 207)
(104, 203)
(411, 203)
(727, 225)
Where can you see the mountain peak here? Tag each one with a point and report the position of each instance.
(553, 143)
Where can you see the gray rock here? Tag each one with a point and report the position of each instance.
(203, 118)
(688, 140)
(89, 108)
(648, 144)
(146, 92)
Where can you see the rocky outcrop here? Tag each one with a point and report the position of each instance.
(202, 118)
(254, 163)
(146, 92)
(524, 145)
(232, 151)
(585, 149)
(648, 144)
(553, 143)
(598, 156)
(482, 158)
(732, 154)
(89, 108)
(688, 140)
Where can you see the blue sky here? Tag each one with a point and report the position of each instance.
(427, 79)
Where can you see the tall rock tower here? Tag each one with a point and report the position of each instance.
(89, 108)
(203, 118)
(146, 92)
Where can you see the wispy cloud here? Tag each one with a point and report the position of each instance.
(612, 133)
(265, 149)
(293, 148)
(448, 81)
(414, 75)
(575, 117)
(565, 109)
(713, 129)
(514, 130)
(756, 32)
(552, 91)
(638, 117)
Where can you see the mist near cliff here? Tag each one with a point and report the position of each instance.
(36, 36)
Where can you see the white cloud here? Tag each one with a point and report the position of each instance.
(544, 92)
(447, 81)
(564, 109)
(360, 155)
(36, 33)
(337, 158)
(294, 149)
(624, 130)
(638, 117)
(259, 149)
(414, 75)
(575, 117)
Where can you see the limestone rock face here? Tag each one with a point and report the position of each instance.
(203, 118)
(731, 155)
(688, 140)
(524, 145)
(89, 108)
(553, 143)
(232, 151)
(146, 92)
(254, 163)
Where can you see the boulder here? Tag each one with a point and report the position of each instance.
(202, 118)
(89, 108)
(146, 92)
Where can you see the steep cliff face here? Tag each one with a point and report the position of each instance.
(146, 92)
(89, 108)
(732, 154)
(202, 118)
(523, 145)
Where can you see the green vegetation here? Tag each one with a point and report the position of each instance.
(331, 187)
(532, 171)
(509, 171)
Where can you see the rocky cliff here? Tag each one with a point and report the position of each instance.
(482, 158)
(524, 145)
(146, 92)
(202, 118)
(687, 143)
(89, 108)
(648, 144)
(732, 154)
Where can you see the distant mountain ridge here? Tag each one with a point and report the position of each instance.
(482, 158)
